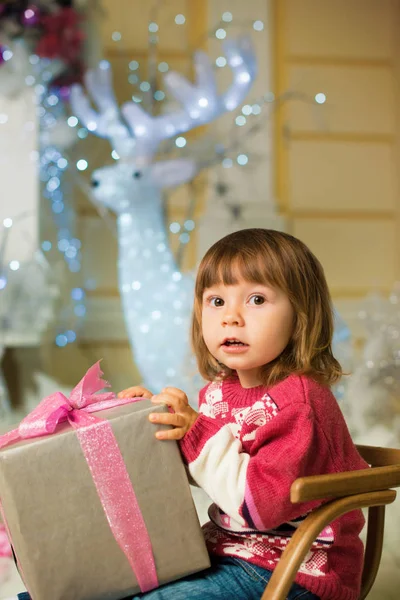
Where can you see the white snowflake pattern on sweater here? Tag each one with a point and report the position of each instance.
(214, 404)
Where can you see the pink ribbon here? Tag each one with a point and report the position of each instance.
(105, 462)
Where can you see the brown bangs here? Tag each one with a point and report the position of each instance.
(227, 265)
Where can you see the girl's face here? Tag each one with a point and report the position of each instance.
(246, 326)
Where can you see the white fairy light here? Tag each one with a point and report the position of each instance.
(320, 98)
(62, 163)
(174, 227)
(242, 159)
(82, 164)
(220, 61)
(159, 95)
(14, 265)
(227, 17)
(244, 77)
(189, 225)
(258, 25)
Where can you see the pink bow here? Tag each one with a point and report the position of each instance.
(105, 462)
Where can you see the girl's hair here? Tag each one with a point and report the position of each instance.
(280, 260)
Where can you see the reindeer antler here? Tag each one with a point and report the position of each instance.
(108, 122)
(200, 101)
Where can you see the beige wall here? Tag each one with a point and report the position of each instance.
(337, 163)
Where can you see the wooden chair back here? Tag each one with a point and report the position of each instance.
(368, 488)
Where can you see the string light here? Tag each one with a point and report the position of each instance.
(174, 227)
(242, 159)
(82, 165)
(52, 168)
(240, 120)
(320, 98)
(72, 121)
(159, 95)
(220, 61)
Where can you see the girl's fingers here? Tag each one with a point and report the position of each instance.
(171, 434)
(169, 399)
(167, 419)
(135, 392)
(176, 392)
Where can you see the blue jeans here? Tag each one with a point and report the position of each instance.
(227, 578)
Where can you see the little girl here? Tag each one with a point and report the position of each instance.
(262, 331)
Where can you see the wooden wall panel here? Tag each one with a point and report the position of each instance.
(357, 29)
(360, 99)
(131, 18)
(356, 254)
(341, 176)
(337, 176)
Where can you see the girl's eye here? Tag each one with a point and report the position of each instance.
(216, 302)
(257, 300)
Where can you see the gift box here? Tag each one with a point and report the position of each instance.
(95, 506)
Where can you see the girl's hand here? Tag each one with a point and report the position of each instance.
(182, 417)
(135, 392)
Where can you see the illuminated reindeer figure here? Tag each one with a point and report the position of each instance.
(157, 298)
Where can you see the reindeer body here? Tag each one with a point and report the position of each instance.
(157, 298)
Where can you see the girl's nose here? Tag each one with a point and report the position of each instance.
(232, 317)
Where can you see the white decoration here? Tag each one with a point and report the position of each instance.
(157, 298)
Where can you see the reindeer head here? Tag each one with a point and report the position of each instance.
(119, 187)
(135, 135)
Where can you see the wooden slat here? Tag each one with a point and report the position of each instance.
(343, 484)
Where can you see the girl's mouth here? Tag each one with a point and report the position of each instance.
(230, 342)
(233, 346)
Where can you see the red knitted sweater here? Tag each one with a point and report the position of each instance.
(246, 449)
